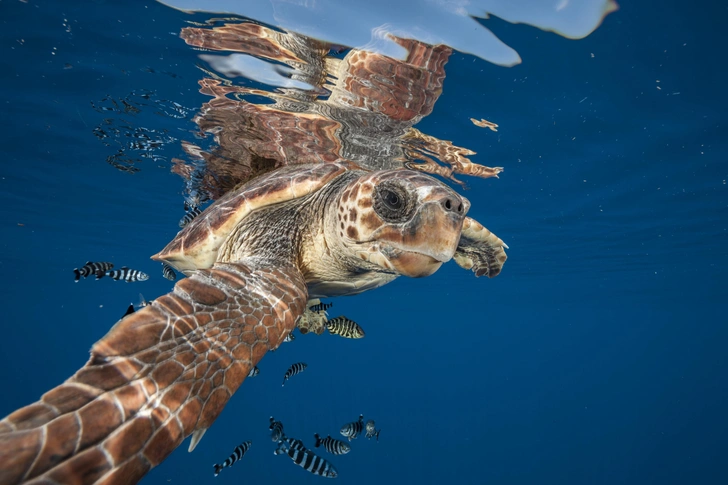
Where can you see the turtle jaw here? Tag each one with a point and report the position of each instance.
(412, 264)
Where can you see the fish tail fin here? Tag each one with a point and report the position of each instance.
(377, 434)
(100, 274)
(121, 414)
(318, 439)
(77, 274)
(282, 447)
(217, 468)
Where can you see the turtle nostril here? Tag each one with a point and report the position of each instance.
(450, 205)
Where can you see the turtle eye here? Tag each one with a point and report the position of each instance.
(391, 200)
(391, 203)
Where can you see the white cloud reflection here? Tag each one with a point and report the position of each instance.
(243, 65)
(357, 23)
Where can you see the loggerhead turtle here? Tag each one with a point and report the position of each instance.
(253, 258)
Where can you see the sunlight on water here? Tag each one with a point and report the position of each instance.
(453, 23)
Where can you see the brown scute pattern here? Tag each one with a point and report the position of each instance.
(69, 397)
(18, 450)
(57, 446)
(32, 416)
(130, 472)
(85, 467)
(170, 374)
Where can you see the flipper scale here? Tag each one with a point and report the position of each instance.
(158, 375)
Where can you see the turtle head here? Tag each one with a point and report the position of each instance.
(402, 221)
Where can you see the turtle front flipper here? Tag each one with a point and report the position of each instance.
(480, 250)
(159, 375)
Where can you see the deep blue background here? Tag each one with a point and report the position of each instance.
(597, 356)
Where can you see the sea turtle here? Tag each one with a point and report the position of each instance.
(253, 260)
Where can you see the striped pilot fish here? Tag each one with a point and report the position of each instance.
(193, 212)
(126, 274)
(90, 268)
(332, 445)
(320, 307)
(344, 327)
(353, 430)
(238, 453)
(370, 431)
(276, 430)
(306, 459)
(296, 368)
(254, 372)
(287, 444)
(168, 272)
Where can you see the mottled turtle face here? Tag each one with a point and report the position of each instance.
(401, 220)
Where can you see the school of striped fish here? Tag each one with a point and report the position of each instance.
(302, 456)
(106, 269)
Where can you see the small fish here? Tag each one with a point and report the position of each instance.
(296, 368)
(126, 274)
(276, 428)
(254, 372)
(320, 307)
(286, 444)
(332, 445)
(344, 327)
(353, 430)
(306, 459)
(90, 268)
(238, 453)
(370, 431)
(168, 272)
(189, 215)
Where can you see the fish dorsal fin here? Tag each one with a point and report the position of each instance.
(196, 437)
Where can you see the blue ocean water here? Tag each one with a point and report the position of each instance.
(596, 356)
